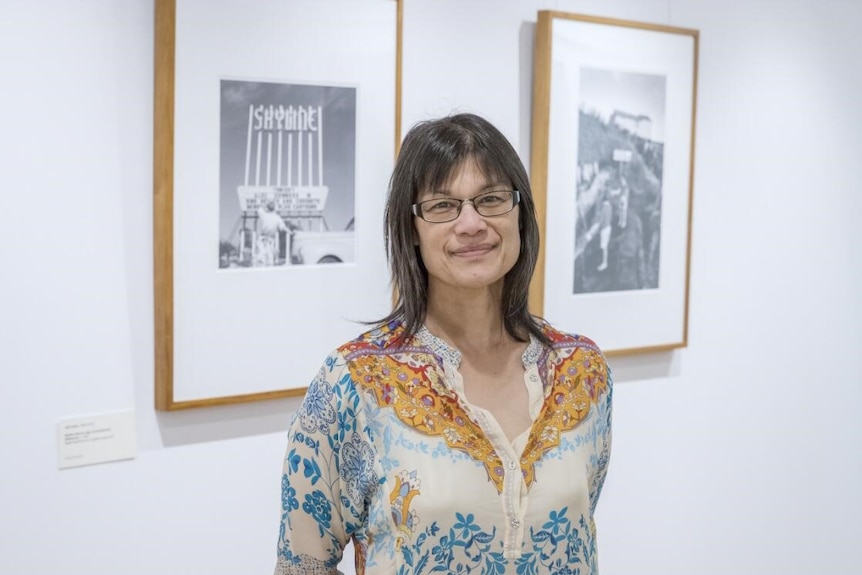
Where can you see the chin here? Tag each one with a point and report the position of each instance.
(477, 281)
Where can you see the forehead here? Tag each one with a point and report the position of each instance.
(469, 173)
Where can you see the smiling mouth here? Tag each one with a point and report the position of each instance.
(473, 251)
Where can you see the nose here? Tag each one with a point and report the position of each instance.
(469, 221)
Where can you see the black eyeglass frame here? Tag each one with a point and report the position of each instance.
(516, 199)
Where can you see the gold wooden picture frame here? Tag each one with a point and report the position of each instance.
(228, 333)
(612, 167)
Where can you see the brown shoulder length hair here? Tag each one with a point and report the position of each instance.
(432, 150)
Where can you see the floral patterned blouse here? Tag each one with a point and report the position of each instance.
(387, 451)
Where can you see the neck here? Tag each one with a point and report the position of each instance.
(470, 321)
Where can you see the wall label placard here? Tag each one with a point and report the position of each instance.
(97, 438)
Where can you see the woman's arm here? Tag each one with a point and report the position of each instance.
(319, 506)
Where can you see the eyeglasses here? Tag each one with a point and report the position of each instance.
(440, 210)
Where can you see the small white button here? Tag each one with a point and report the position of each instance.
(534, 378)
(512, 465)
(516, 523)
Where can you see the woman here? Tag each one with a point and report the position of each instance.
(462, 434)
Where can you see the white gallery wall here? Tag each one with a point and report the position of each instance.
(739, 454)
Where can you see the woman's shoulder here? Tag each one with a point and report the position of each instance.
(340, 367)
(384, 338)
(576, 360)
(563, 341)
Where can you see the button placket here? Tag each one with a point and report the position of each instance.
(512, 474)
(512, 505)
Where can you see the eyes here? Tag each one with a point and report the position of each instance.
(494, 203)
(482, 202)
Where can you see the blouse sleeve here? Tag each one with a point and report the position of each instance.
(604, 411)
(327, 476)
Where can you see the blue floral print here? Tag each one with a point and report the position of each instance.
(357, 469)
(558, 548)
(318, 506)
(317, 411)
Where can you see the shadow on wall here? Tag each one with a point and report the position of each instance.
(204, 424)
(629, 368)
(659, 365)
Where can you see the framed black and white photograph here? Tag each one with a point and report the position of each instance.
(287, 169)
(275, 135)
(613, 155)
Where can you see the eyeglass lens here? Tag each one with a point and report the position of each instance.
(488, 204)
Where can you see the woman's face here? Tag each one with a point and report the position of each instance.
(471, 251)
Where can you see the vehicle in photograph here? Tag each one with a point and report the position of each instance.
(308, 247)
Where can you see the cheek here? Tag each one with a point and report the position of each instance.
(515, 236)
(423, 243)
(516, 245)
(427, 248)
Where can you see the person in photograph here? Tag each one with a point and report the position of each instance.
(606, 212)
(269, 225)
(622, 218)
(461, 434)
